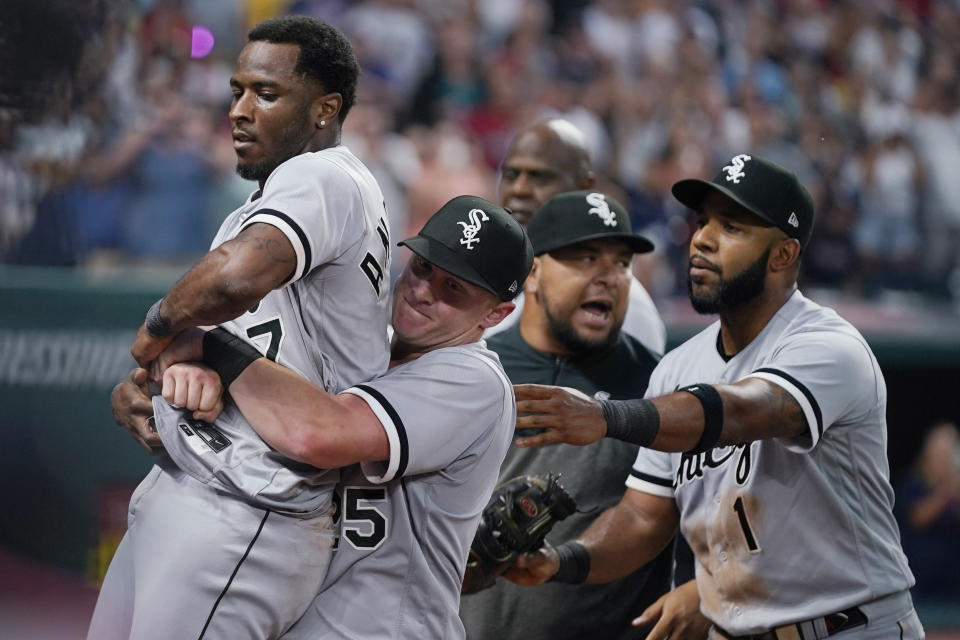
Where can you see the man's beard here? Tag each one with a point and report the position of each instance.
(290, 143)
(733, 293)
(568, 338)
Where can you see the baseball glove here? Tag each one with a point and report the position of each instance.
(519, 515)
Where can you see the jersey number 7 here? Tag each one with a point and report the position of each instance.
(275, 328)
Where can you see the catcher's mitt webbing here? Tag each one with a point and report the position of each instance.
(518, 516)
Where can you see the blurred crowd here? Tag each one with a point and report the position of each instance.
(860, 98)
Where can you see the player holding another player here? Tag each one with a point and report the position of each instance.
(765, 435)
(300, 270)
(424, 441)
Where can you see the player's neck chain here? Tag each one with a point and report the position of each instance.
(693, 465)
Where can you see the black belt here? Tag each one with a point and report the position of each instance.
(834, 623)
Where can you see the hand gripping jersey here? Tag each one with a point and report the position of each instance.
(786, 530)
(328, 323)
(406, 524)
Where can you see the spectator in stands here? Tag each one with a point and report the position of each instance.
(928, 502)
(656, 86)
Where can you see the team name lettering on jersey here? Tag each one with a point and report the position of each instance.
(693, 465)
(370, 265)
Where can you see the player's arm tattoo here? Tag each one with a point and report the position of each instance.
(273, 247)
(784, 410)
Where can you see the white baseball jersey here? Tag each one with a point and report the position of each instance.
(642, 321)
(328, 323)
(786, 530)
(406, 524)
(209, 549)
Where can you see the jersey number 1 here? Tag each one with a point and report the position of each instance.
(751, 539)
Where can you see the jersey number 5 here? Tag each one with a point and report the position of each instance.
(361, 523)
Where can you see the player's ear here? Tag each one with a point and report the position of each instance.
(326, 108)
(784, 254)
(532, 283)
(496, 314)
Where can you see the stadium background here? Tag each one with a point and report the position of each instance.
(116, 168)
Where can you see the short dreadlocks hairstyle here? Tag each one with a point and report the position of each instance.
(325, 53)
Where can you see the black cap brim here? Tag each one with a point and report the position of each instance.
(692, 191)
(637, 243)
(437, 253)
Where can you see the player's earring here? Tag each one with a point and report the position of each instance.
(323, 122)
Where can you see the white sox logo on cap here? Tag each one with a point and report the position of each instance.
(471, 230)
(735, 168)
(601, 209)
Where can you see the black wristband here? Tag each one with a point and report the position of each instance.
(712, 404)
(574, 563)
(227, 354)
(636, 421)
(155, 324)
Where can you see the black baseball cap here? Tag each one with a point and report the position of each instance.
(763, 188)
(478, 241)
(579, 216)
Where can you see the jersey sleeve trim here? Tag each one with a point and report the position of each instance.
(392, 425)
(800, 393)
(650, 484)
(294, 233)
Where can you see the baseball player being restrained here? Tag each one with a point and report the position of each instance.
(765, 439)
(302, 270)
(421, 445)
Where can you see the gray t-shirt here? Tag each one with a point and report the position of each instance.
(786, 530)
(406, 524)
(327, 322)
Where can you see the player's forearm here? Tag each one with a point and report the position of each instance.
(284, 409)
(624, 539)
(304, 422)
(707, 416)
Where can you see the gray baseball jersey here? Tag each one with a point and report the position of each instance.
(209, 550)
(328, 323)
(642, 321)
(786, 530)
(406, 524)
